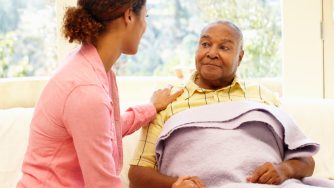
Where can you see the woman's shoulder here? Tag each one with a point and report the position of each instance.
(75, 71)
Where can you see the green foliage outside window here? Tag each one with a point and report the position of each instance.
(7, 68)
(27, 38)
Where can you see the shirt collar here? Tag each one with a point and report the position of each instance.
(192, 87)
(89, 52)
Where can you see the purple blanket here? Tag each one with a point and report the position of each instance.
(224, 143)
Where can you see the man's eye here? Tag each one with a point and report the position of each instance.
(205, 44)
(225, 48)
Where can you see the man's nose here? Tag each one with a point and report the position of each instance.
(212, 53)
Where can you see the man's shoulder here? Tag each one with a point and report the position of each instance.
(261, 89)
(249, 84)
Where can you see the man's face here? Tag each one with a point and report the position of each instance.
(218, 56)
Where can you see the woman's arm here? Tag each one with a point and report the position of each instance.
(136, 117)
(140, 116)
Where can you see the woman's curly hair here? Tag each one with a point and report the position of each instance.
(88, 19)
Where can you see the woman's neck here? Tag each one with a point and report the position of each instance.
(109, 49)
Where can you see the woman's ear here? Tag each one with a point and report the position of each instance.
(128, 16)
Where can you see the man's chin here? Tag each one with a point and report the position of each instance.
(211, 75)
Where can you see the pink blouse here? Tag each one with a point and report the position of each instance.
(76, 132)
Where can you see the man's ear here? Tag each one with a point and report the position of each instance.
(128, 16)
(241, 55)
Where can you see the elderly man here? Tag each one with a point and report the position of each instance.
(219, 53)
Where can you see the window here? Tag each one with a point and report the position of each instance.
(27, 38)
(28, 43)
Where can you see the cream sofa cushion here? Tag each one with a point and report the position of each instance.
(14, 132)
(20, 92)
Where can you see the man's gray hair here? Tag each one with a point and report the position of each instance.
(231, 25)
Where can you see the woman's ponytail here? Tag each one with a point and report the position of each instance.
(79, 26)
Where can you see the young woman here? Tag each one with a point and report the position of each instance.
(76, 132)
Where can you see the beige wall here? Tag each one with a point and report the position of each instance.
(329, 47)
(302, 49)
